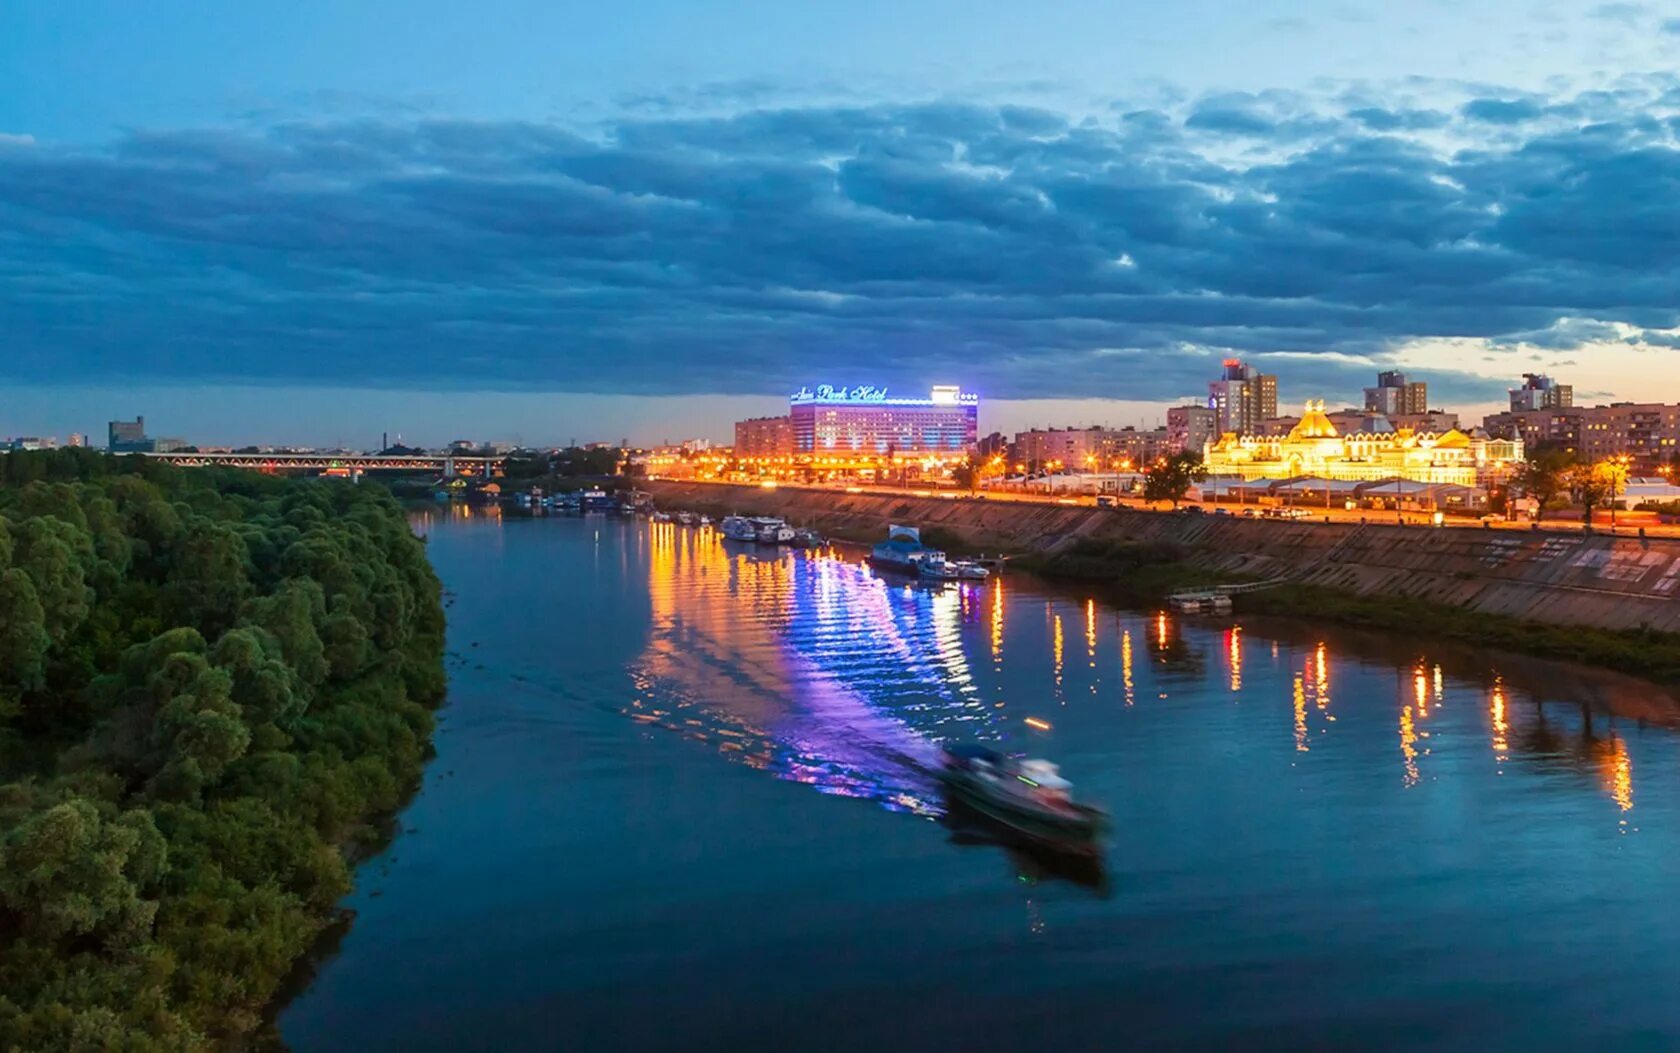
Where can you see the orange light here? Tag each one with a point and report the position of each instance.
(1036, 723)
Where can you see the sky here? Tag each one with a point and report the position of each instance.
(538, 221)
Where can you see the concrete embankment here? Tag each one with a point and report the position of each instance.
(1598, 580)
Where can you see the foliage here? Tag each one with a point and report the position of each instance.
(1544, 475)
(1171, 479)
(1592, 485)
(209, 683)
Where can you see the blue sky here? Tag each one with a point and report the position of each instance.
(319, 221)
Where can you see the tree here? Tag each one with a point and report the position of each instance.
(1593, 485)
(1171, 479)
(56, 555)
(23, 633)
(68, 871)
(1543, 475)
(967, 475)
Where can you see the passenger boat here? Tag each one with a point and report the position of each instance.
(660, 517)
(705, 521)
(1029, 796)
(936, 567)
(804, 538)
(771, 531)
(738, 528)
(902, 550)
(685, 518)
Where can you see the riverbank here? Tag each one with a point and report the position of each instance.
(1593, 598)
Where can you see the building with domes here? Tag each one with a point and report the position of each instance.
(1314, 447)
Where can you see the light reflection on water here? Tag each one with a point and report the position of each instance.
(818, 669)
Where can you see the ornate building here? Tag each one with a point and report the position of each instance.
(1313, 447)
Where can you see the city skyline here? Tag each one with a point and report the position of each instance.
(256, 204)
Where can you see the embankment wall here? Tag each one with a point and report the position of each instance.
(1611, 582)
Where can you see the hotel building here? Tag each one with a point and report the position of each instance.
(868, 422)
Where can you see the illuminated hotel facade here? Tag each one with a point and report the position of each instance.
(868, 422)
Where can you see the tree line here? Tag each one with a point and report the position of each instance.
(211, 684)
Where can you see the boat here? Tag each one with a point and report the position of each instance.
(935, 566)
(594, 500)
(1029, 796)
(902, 550)
(685, 518)
(805, 538)
(739, 528)
(660, 517)
(705, 521)
(771, 531)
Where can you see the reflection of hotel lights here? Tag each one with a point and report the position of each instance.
(997, 620)
(1408, 745)
(1233, 648)
(1321, 663)
(1620, 779)
(1496, 709)
(1161, 630)
(1056, 647)
(1091, 631)
(1126, 664)
(1420, 693)
(1300, 714)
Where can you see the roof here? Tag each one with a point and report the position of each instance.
(1314, 424)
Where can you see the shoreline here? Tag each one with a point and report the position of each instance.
(1387, 580)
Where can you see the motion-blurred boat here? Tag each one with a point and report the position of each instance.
(1029, 796)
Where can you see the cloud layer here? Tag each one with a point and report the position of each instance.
(1022, 251)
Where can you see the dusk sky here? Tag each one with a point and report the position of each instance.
(306, 222)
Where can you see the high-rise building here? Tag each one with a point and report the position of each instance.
(1540, 392)
(127, 436)
(1242, 397)
(764, 437)
(1190, 428)
(1394, 396)
(865, 420)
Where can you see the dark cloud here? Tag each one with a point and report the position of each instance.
(1020, 251)
(1502, 111)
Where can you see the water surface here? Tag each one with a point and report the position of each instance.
(680, 802)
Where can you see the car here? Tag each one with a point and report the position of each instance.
(1221, 511)
(1250, 513)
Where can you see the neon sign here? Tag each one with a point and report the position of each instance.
(830, 393)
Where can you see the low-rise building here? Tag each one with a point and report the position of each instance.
(1315, 447)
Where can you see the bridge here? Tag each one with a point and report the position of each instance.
(337, 463)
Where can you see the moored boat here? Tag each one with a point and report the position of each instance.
(1027, 795)
(771, 531)
(738, 528)
(935, 566)
(902, 550)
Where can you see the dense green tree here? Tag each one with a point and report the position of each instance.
(23, 633)
(68, 871)
(173, 812)
(56, 556)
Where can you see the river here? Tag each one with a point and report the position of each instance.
(679, 803)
